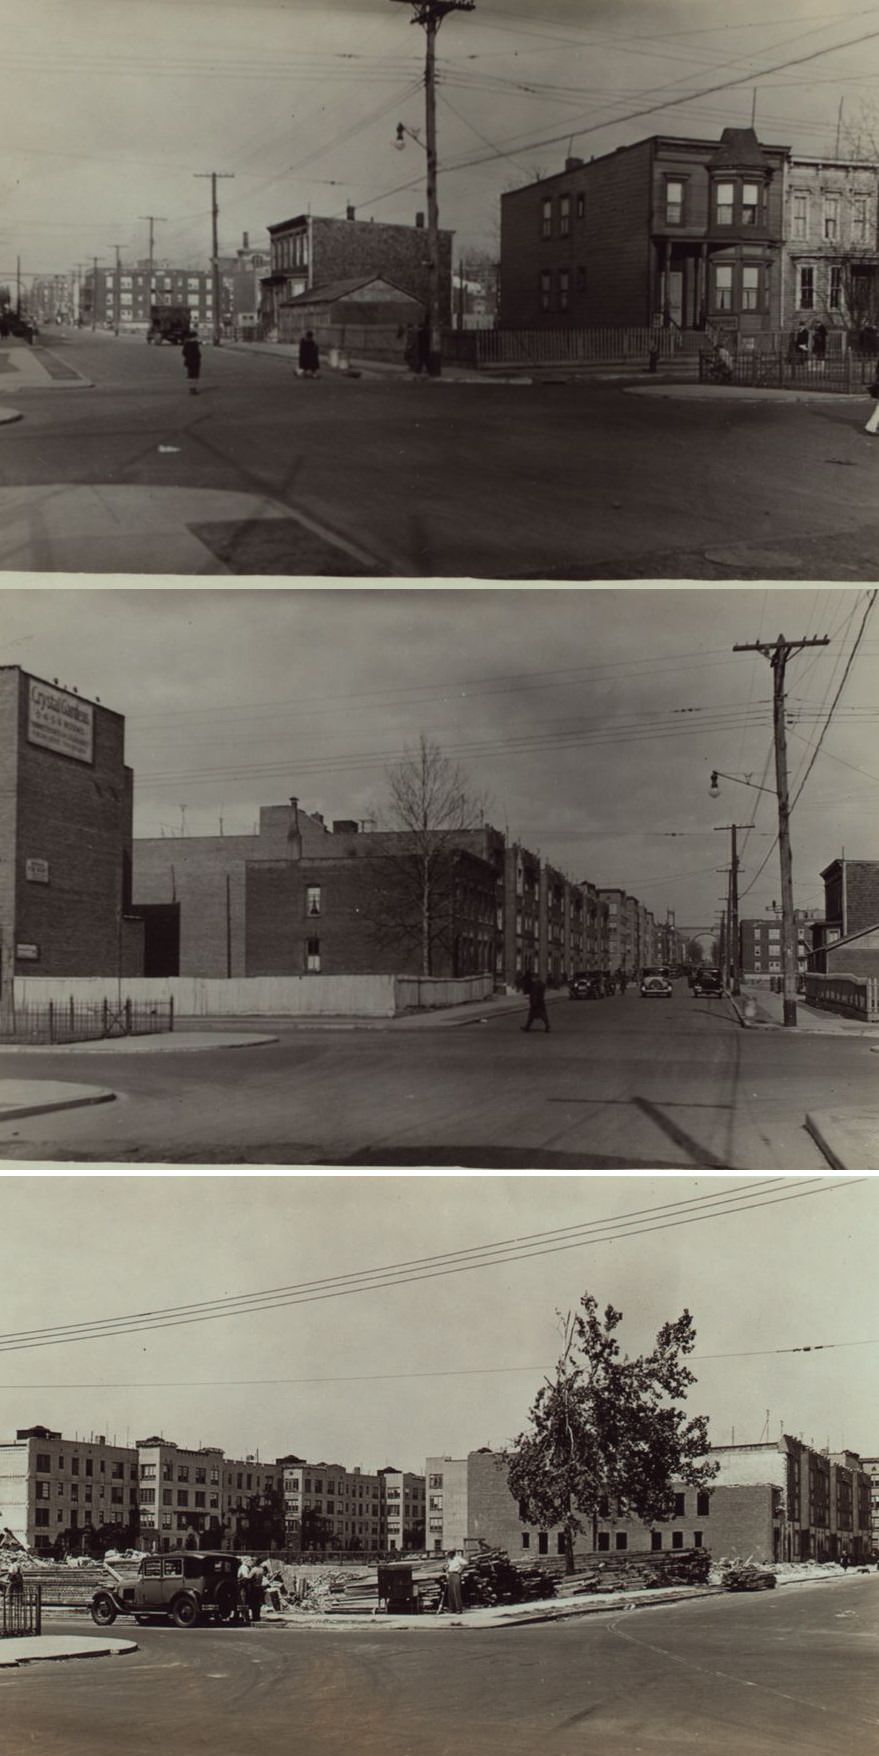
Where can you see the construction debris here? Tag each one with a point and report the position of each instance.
(744, 1576)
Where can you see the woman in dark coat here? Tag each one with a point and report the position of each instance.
(309, 355)
(192, 361)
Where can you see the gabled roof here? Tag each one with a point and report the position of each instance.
(342, 289)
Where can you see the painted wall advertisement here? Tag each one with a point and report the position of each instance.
(60, 721)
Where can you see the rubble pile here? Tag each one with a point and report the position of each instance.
(744, 1576)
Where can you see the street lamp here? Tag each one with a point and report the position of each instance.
(740, 780)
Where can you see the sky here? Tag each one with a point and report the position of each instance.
(401, 1372)
(112, 107)
(587, 721)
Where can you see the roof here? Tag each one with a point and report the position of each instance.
(342, 289)
(739, 148)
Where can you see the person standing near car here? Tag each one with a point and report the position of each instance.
(536, 991)
(244, 1591)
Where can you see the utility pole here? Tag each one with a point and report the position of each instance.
(735, 958)
(778, 655)
(118, 289)
(430, 14)
(215, 246)
(95, 261)
(18, 286)
(153, 220)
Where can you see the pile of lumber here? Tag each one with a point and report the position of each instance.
(743, 1576)
(490, 1577)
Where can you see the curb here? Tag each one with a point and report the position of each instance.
(7, 416)
(821, 1142)
(750, 1023)
(16, 1113)
(119, 1649)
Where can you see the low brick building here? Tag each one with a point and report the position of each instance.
(668, 230)
(310, 251)
(366, 316)
(851, 896)
(776, 1502)
(65, 834)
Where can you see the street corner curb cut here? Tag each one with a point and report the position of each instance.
(7, 416)
(821, 1141)
(80, 1103)
(747, 1023)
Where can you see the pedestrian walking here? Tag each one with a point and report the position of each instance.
(872, 425)
(309, 356)
(244, 1592)
(536, 991)
(191, 348)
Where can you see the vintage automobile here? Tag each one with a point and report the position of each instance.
(187, 1586)
(706, 981)
(585, 985)
(655, 987)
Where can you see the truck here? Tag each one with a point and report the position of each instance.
(169, 323)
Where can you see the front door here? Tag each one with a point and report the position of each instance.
(675, 296)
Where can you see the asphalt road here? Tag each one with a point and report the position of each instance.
(570, 480)
(622, 1083)
(793, 1669)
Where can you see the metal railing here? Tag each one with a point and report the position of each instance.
(779, 368)
(84, 1021)
(535, 347)
(21, 1611)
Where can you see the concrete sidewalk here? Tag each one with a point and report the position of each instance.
(811, 1020)
(287, 354)
(38, 1097)
(38, 368)
(33, 1649)
(162, 1043)
(849, 1139)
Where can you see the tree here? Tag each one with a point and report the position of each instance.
(693, 952)
(608, 1431)
(262, 1524)
(410, 900)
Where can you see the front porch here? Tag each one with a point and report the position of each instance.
(698, 284)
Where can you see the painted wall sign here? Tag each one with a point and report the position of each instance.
(60, 721)
(27, 953)
(36, 871)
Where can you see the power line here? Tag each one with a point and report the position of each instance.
(342, 1286)
(850, 661)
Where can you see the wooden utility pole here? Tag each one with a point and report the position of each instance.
(153, 220)
(778, 655)
(215, 246)
(430, 14)
(95, 261)
(118, 289)
(734, 948)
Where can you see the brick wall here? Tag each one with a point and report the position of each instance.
(9, 686)
(343, 249)
(862, 894)
(76, 816)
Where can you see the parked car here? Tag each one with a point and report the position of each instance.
(656, 988)
(707, 981)
(170, 323)
(187, 1586)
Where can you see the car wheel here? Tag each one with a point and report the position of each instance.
(226, 1604)
(104, 1612)
(184, 1611)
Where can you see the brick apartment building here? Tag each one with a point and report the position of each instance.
(776, 1502)
(123, 297)
(846, 942)
(50, 1485)
(309, 252)
(65, 834)
(328, 1506)
(198, 1493)
(668, 230)
(831, 251)
(760, 947)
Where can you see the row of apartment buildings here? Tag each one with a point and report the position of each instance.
(80, 897)
(731, 233)
(844, 939)
(781, 1501)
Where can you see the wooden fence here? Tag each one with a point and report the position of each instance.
(556, 347)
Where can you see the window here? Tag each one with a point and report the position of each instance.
(603, 1540)
(543, 1542)
(799, 214)
(42, 1491)
(44, 1462)
(183, 1472)
(723, 287)
(560, 1543)
(89, 1466)
(859, 219)
(831, 217)
(564, 216)
(703, 1504)
(834, 288)
(312, 955)
(679, 1505)
(546, 219)
(312, 899)
(622, 1540)
(148, 1496)
(41, 1516)
(199, 1498)
(674, 202)
(806, 289)
(545, 290)
(750, 288)
(564, 289)
(697, 1539)
(581, 206)
(724, 195)
(656, 1539)
(677, 1539)
(201, 1475)
(750, 204)
(167, 1497)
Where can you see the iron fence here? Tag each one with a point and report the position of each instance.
(84, 1021)
(778, 369)
(21, 1611)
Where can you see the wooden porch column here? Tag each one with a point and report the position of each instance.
(702, 287)
(666, 258)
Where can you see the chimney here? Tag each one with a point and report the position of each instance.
(245, 240)
(573, 164)
(294, 837)
(350, 212)
(419, 221)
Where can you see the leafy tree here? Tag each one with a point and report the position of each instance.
(410, 901)
(262, 1522)
(608, 1430)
